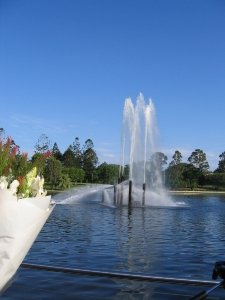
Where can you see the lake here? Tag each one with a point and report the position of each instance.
(183, 241)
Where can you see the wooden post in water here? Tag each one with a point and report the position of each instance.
(130, 193)
(114, 195)
(143, 199)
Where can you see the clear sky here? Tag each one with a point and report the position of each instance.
(66, 67)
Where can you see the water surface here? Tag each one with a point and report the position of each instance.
(83, 233)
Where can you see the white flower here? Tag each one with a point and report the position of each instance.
(37, 187)
(13, 187)
(31, 176)
(3, 183)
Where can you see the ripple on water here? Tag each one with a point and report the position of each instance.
(174, 242)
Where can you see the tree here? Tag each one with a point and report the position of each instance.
(90, 160)
(214, 180)
(191, 175)
(221, 164)
(39, 160)
(198, 160)
(77, 153)
(174, 176)
(56, 152)
(43, 144)
(177, 158)
(107, 173)
(53, 171)
(64, 182)
(154, 170)
(158, 160)
(21, 166)
(75, 174)
(68, 157)
(8, 151)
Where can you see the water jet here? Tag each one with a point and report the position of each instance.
(140, 157)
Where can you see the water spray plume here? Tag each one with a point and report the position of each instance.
(139, 153)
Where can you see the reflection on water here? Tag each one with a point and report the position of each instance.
(175, 242)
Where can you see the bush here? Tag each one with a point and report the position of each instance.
(76, 175)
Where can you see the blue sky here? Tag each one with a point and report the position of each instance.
(66, 67)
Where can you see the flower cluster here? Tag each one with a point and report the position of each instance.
(14, 167)
(30, 185)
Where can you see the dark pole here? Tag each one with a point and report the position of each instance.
(121, 193)
(114, 197)
(143, 199)
(130, 193)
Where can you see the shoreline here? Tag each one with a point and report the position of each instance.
(184, 192)
(53, 192)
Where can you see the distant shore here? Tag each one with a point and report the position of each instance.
(196, 192)
(171, 192)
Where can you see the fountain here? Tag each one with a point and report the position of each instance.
(140, 159)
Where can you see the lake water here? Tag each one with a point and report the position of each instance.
(82, 233)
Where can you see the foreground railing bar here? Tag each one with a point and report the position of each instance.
(121, 275)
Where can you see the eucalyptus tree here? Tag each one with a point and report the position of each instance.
(221, 164)
(158, 160)
(177, 158)
(198, 160)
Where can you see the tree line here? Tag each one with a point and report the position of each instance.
(77, 164)
(195, 172)
(80, 164)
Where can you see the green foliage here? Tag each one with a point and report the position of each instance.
(107, 173)
(68, 158)
(221, 164)
(214, 180)
(8, 151)
(81, 165)
(21, 166)
(76, 175)
(174, 176)
(64, 182)
(77, 153)
(177, 157)
(53, 172)
(39, 161)
(90, 161)
(56, 152)
(198, 160)
(191, 175)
